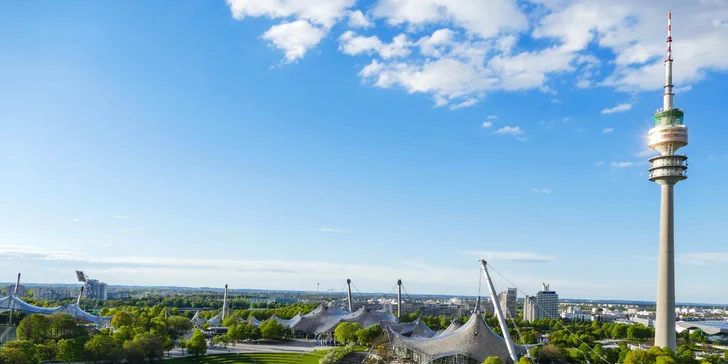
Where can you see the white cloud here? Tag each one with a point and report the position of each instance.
(464, 104)
(487, 124)
(705, 259)
(598, 163)
(618, 108)
(322, 12)
(479, 41)
(121, 217)
(509, 130)
(483, 18)
(618, 165)
(329, 230)
(357, 19)
(541, 190)
(295, 38)
(445, 79)
(491, 117)
(352, 44)
(80, 220)
(522, 257)
(607, 130)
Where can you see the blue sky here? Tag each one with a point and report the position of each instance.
(281, 144)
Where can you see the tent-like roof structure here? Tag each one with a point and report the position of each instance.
(290, 322)
(253, 321)
(368, 318)
(216, 320)
(321, 320)
(15, 303)
(454, 325)
(415, 329)
(474, 340)
(197, 319)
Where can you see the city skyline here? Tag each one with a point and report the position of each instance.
(203, 144)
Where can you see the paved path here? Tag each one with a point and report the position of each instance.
(295, 346)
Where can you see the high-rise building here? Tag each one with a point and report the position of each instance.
(95, 290)
(507, 301)
(11, 288)
(545, 304)
(667, 136)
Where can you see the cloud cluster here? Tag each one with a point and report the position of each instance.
(490, 45)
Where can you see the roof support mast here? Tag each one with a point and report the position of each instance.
(224, 303)
(348, 286)
(499, 314)
(399, 300)
(14, 293)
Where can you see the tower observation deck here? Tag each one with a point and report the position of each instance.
(667, 136)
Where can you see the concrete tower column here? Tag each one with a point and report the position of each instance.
(665, 319)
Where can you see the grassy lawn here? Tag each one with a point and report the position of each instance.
(267, 358)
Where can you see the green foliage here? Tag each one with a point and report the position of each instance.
(197, 345)
(69, 350)
(369, 335)
(345, 333)
(20, 351)
(493, 360)
(274, 330)
(41, 328)
(336, 354)
(524, 360)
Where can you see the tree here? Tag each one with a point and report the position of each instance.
(638, 357)
(33, 328)
(69, 350)
(122, 318)
(168, 345)
(178, 325)
(725, 355)
(528, 337)
(345, 332)
(133, 352)
(367, 336)
(272, 329)
(28, 351)
(152, 346)
(102, 348)
(197, 345)
(493, 360)
(15, 356)
(524, 360)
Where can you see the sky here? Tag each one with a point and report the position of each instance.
(283, 143)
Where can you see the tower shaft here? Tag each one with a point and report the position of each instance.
(668, 135)
(665, 319)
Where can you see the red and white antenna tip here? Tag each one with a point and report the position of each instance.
(669, 15)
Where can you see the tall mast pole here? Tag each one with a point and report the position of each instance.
(667, 136)
(399, 299)
(348, 285)
(499, 314)
(224, 303)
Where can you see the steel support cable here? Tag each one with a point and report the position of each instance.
(554, 318)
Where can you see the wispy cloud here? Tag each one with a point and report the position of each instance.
(704, 259)
(683, 89)
(133, 230)
(618, 165)
(510, 130)
(598, 163)
(618, 108)
(464, 104)
(607, 130)
(80, 220)
(329, 230)
(541, 190)
(521, 139)
(487, 124)
(491, 117)
(523, 257)
(121, 217)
